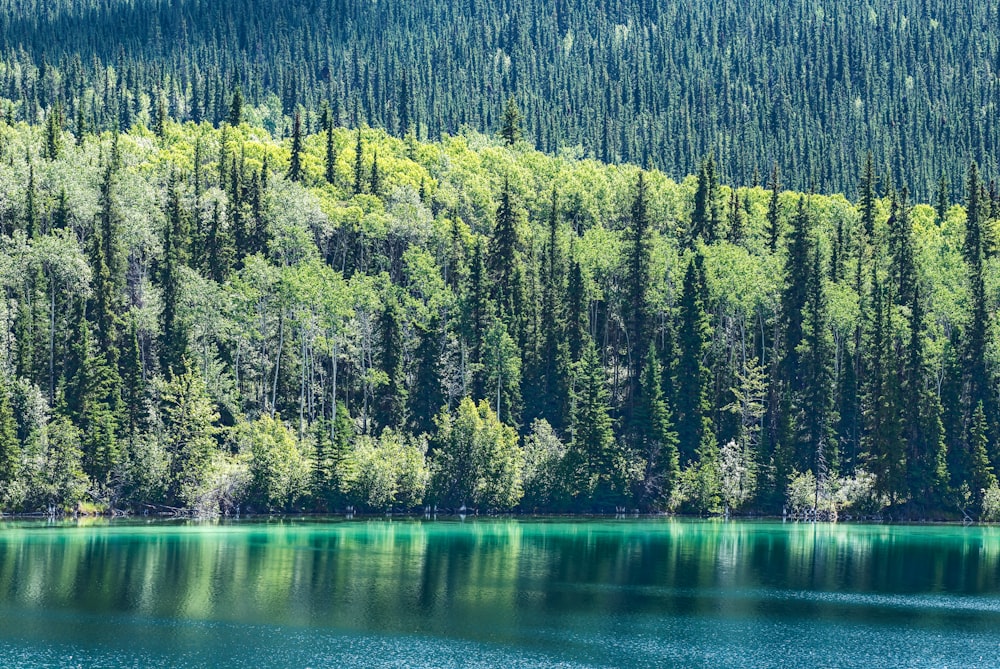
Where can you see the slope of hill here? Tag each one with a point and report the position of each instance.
(207, 317)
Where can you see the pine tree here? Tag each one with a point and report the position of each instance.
(555, 355)
(705, 217)
(638, 280)
(375, 180)
(504, 259)
(10, 446)
(774, 212)
(577, 321)
(692, 375)
(160, 122)
(173, 334)
(53, 134)
(901, 246)
(235, 116)
(927, 475)
(883, 440)
(981, 477)
(295, 162)
(359, 166)
(390, 402)
(30, 205)
(591, 456)
(331, 157)
(654, 438)
(867, 203)
(427, 397)
(943, 203)
(737, 219)
(815, 402)
(510, 124)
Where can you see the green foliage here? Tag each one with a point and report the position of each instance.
(478, 462)
(176, 294)
(279, 471)
(391, 472)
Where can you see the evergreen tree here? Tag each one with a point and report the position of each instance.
(504, 259)
(815, 402)
(903, 267)
(705, 217)
(591, 457)
(654, 438)
(981, 476)
(53, 134)
(577, 321)
(692, 375)
(638, 279)
(375, 180)
(510, 124)
(927, 474)
(737, 219)
(331, 157)
(359, 166)
(943, 202)
(427, 397)
(295, 162)
(10, 447)
(555, 354)
(235, 116)
(774, 212)
(883, 403)
(173, 333)
(391, 398)
(867, 203)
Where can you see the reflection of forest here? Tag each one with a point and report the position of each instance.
(485, 579)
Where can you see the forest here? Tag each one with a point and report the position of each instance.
(208, 319)
(807, 85)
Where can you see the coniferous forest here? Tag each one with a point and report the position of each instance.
(325, 266)
(810, 86)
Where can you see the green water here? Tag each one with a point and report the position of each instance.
(643, 593)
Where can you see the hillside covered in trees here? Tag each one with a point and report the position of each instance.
(808, 85)
(208, 318)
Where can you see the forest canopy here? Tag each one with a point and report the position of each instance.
(209, 318)
(809, 86)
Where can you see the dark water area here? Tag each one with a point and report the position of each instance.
(488, 593)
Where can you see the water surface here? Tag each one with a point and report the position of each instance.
(410, 593)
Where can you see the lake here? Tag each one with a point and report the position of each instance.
(488, 593)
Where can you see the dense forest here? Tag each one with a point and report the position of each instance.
(205, 319)
(810, 86)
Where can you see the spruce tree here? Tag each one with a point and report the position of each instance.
(981, 476)
(390, 402)
(554, 358)
(295, 162)
(359, 166)
(924, 432)
(692, 375)
(510, 124)
(774, 212)
(173, 334)
(375, 179)
(504, 258)
(705, 217)
(10, 446)
(235, 116)
(883, 408)
(638, 280)
(867, 203)
(654, 438)
(591, 456)
(331, 157)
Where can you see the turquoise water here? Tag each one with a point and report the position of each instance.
(487, 593)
